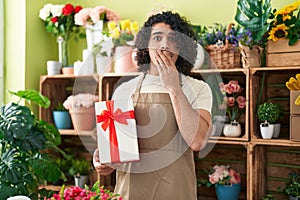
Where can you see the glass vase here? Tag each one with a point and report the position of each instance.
(63, 53)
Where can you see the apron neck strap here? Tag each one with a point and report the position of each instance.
(138, 89)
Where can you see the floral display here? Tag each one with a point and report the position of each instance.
(294, 85)
(224, 174)
(80, 100)
(217, 34)
(59, 19)
(285, 23)
(92, 15)
(123, 32)
(78, 193)
(233, 102)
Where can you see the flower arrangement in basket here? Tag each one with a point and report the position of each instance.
(234, 103)
(285, 24)
(78, 193)
(221, 43)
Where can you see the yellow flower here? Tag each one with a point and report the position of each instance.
(288, 9)
(115, 33)
(111, 25)
(278, 32)
(125, 24)
(134, 27)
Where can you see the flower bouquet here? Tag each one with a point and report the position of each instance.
(95, 21)
(78, 193)
(233, 102)
(59, 21)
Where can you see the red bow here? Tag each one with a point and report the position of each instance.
(108, 117)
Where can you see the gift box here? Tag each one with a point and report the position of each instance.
(294, 109)
(116, 131)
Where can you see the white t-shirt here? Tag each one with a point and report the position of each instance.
(197, 92)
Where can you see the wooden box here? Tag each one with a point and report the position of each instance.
(294, 127)
(294, 109)
(279, 53)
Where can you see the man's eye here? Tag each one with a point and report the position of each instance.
(157, 38)
(172, 39)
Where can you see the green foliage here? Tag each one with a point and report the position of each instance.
(268, 197)
(292, 187)
(24, 163)
(254, 15)
(80, 166)
(60, 107)
(269, 112)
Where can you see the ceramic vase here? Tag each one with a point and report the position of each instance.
(233, 129)
(83, 119)
(266, 130)
(228, 192)
(276, 132)
(94, 34)
(123, 61)
(104, 64)
(81, 180)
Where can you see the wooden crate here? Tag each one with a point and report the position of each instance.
(279, 53)
(220, 154)
(269, 173)
(57, 88)
(270, 85)
(242, 76)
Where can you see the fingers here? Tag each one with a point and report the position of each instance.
(100, 168)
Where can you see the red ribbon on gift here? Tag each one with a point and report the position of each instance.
(108, 117)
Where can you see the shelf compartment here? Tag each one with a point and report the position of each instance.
(269, 84)
(222, 154)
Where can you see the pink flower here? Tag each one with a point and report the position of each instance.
(235, 177)
(224, 174)
(241, 101)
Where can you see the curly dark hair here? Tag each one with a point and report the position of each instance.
(186, 41)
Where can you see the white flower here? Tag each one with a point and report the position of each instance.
(80, 100)
(56, 10)
(45, 11)
(107, 45)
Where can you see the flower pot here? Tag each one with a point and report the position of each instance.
(62, 119)
(81, 180)
(68, 70)
(218, 124)
(276, 132)
(123, 61)
(251, 57)
(232, 130)
(104, 64)
(228, 192)
(83, 119)
(266, 130)
(294, 198)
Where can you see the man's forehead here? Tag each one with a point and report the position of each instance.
(159, 30)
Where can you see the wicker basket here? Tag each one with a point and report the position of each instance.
(226, 56)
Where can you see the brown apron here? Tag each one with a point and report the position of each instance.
(166, 168)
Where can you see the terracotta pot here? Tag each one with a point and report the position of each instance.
(83, 119)
(68, 70)
(123, 60)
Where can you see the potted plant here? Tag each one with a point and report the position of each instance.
(80, 169)
(61, 117)
(292, 188)
(226, 180)
(268, 113)
(268, 197)
(25, 160)
(123, 34)
(82, 110)
(234, 104)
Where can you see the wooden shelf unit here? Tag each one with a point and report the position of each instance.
(254, 157)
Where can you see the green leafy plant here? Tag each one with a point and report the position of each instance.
(80, 167)
(60, 107)
(292, 187)
(253, 16)
(24, 161)
(268, 197)
(268, 112)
